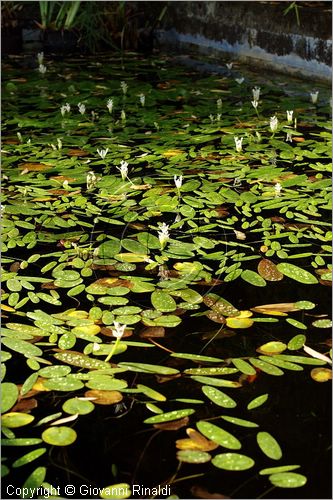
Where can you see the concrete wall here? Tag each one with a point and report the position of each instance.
(256, 33)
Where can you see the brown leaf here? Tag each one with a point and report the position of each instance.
(109, 333)
(174, 425)
(216, 317)
(24, 405)
(200, 492)
(77, 152)
(268, 270)
(153, 331)
(104, 397)
(281, 307)
(34, 167)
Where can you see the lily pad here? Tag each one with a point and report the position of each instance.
(297, 273)
(232, 461)
(269, 446)
(59, 436)
(167, 417)
(193, 456)
(288, 480)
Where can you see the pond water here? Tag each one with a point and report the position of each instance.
(166, 281)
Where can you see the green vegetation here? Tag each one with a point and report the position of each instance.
(140, 203)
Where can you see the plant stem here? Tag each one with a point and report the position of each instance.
(111, 353)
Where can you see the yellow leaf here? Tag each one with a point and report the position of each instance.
(240, 321)
(321, 374)
(7, 308)
(87, 329)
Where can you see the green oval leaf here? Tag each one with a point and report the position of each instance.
(218, 397)
(275, 470)
(269, 446)
(296, 342)
(75, 406)
(258, 401)
(66, 384)
(297, 273)
(117, 491)
(266, 367)
(16, 419)
(33, 482)
(253, 278)
(9, 395)
(288, 480)
(218, 435)
(29, 457)
(193, 456)
(232, 461)
(163, 302)
(169, 416)
(147, 368)
(239, 421)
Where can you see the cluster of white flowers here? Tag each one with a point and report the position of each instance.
(314, 96)
(219, 103)
(82, 108)
(109, 105)
(124, 87)
(273, 123)
(238, 144)
(123, 169)
(40, 57)
(290, 116)
(277, 189)
(65, 109)
(163, 234)
(142, 98)
(256, 93)
(118, 330)
(239, 80)
(91, 180)
(229, 65)
(102, 152)
(42, 69)
(178, 181)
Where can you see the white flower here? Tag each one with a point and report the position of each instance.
(290, 116)
(40, 57)
(156, 125)
(142, 98)
(277, 188)
(123, 169)
(118, 330)
(229, 65)
(237, 181)
(255, 104)
(219, 103)
(59, 143)
(218, 117)
(123, 115)
(82, 108)
(91, 180)
(42, 69)
(124, 87)
(163, 234)
(256, 93)
(102, 152)
(19, 136)
(239, 80)
(289, 137)
(273, 123)
(178, 181)
(109, 105)
(238, 144)
(96, 347)
(211, 117)
(65, 109)
(314, 96)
